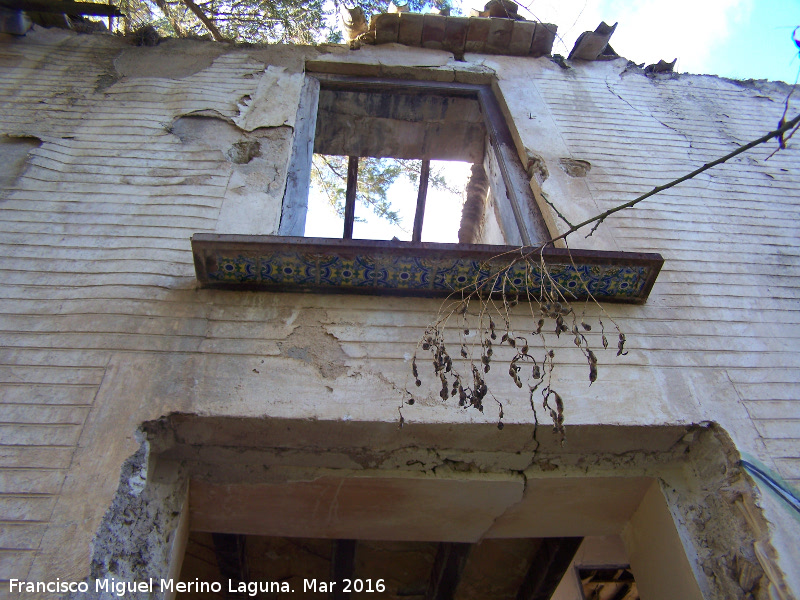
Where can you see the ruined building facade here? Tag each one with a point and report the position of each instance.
(164, 383)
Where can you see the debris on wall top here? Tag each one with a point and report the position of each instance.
(499, 29)
(593, 45)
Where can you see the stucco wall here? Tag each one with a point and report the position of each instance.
(104, 327)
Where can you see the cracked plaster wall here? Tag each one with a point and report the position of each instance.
(243, 486)
(103, 328)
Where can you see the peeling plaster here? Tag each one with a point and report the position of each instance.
(313, 345)
(171, 59)
(135, 539)
(256, 181)
(699, 477)
(575, 167)
(274, 102)
(536, 168)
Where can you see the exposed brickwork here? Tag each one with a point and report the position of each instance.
(463, 34)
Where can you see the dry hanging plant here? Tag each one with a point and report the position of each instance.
(478, 320)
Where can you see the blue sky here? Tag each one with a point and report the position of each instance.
(742, 39)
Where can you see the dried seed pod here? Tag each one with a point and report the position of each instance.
(586, 326)
(605, 341)
(418, 382)
(537, 373)
(400, 423)
(621, 345)
(414, 367)
(466, 331)
(426, 346)
(524, 349)
(559, 403)
(410, 401)
(463, 352)
(500, 425)
(512, 342)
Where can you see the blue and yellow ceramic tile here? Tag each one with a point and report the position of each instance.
(349, 271)
(518, 278)
(387, 270)
(568, 281)
(325, 264)
(624, 281)
(407, 272)
(235, 268)
(461, 274)
(287, 268)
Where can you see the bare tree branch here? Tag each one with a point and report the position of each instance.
(598, 219)
(206, 21)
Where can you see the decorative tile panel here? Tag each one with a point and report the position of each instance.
(417, 269)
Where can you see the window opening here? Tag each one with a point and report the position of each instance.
(426, 122)
(422, 199)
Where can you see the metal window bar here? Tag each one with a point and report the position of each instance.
(352, 188)
(350, 197)
(421, 197)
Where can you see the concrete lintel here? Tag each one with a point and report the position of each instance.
(455, 508)
(473, 437)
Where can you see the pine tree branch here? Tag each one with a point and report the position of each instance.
(206, 21)
(598, 219)
(176, 27)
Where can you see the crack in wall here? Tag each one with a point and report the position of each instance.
(649, 114)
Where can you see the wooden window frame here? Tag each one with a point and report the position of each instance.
(519, 213)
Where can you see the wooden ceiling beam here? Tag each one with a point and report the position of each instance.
(231, 553)
(343, 566)
(451, 557)
(548, 566)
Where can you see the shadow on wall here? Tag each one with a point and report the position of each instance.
(14, 154)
